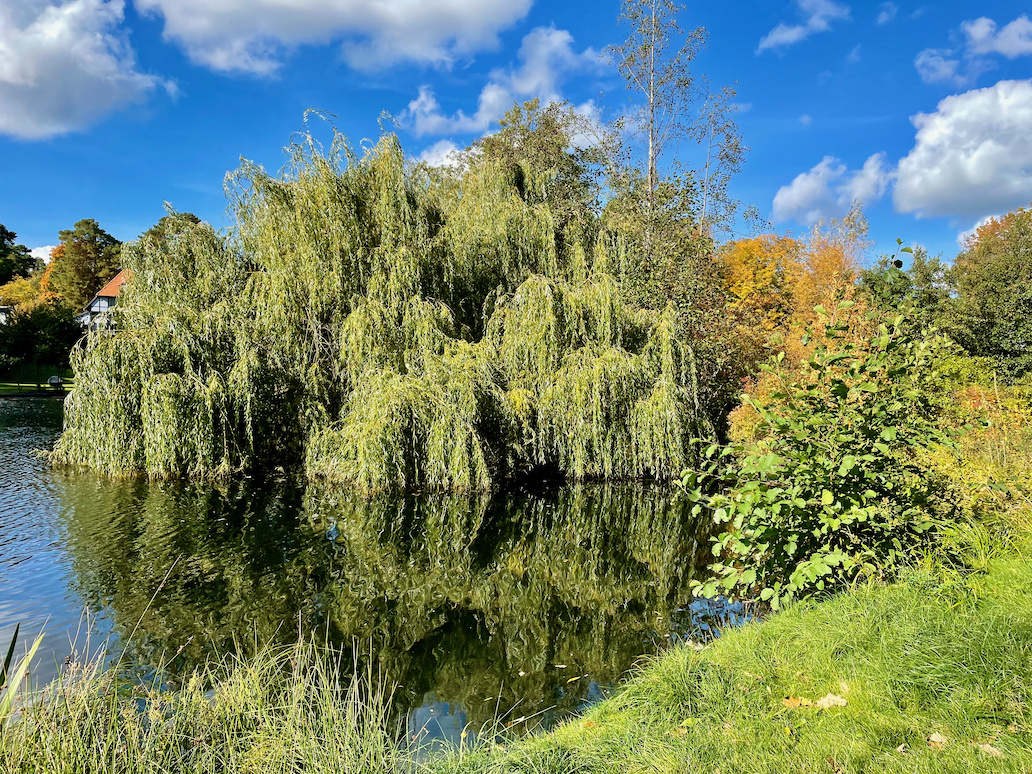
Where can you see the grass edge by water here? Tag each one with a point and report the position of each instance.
(918, 675)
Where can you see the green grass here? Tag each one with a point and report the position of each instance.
(283, 711)
(24, 378)
(911, 660)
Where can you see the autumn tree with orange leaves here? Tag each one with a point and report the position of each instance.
(775, 283)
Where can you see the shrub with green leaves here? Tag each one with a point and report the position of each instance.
(836, 488)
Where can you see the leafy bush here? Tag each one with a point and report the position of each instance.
(835, 488)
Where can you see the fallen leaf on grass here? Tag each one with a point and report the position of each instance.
(902, 748)
(829, 701)
(678, 733)
(937, 741)
(588, 724)
(988, 749)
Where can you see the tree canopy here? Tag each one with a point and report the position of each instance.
(90, 257)
(15, 260)
(41, 332)
(375, 327)
(993, 279)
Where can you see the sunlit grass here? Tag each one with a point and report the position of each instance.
(287, 710)
(911, 660)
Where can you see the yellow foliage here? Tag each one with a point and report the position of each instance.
(774, 283)
(20, 291)
(31, 290)
(758, 274)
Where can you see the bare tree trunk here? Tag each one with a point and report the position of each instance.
(706, 175)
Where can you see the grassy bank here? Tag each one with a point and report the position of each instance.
(919, 676)
(283, 711)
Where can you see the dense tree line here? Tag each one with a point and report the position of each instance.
(44, 299)
(982, 300)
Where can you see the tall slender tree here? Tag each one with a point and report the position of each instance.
(658, 72)
(91, 257)
(716, 130)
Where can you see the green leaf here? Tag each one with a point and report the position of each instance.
(827, 498)
(819, 309)
(848, 463)
(17, 676)
(10, 657)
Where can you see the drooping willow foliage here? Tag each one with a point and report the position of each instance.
(382, 329)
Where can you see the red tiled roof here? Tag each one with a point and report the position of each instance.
(113, 287)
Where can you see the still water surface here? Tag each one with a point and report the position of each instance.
(519, 605)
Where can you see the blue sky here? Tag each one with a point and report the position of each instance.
(110, 108)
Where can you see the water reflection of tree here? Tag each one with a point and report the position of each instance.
(473, 599)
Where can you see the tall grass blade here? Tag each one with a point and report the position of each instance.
(19, 674)
(9, 657)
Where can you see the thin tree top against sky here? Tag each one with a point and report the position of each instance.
(108, 108)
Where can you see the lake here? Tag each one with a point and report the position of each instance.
(519, 605)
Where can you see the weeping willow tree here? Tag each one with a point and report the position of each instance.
(377, 327)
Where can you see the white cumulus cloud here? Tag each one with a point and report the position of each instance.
(830, 188)
(1014, 40)
(817, 17)
(982, 39)
(252, 35)
(972, 156)
(443, 153)
(545, 59)
(65, 65)
(42, 253)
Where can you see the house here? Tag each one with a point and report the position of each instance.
(94, 315)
